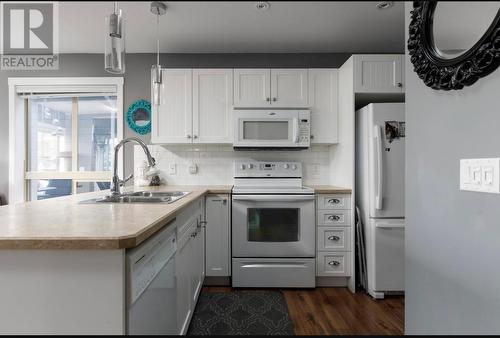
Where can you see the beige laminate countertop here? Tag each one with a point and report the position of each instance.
(63, 223)
(330, 189)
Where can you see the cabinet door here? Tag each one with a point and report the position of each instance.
(323, 101)
(172, 119)
(378, 73)
(252, 87)
(217, 234)
(289, 88)
(198, 264)
(212, 105)
(183, 261)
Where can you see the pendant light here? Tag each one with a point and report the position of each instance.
(114, 45)
(157, 8)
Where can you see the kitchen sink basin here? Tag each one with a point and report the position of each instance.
(140, 197)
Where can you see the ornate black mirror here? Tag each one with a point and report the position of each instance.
(453, 44)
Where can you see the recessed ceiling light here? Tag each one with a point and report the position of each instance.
(262, 6)
(385, 4)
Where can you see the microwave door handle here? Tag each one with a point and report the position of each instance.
(379, 152)
(295, 130)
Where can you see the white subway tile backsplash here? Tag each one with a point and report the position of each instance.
(215, 162)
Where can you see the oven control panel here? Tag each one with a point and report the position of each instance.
(251, 168)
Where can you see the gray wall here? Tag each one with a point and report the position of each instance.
(452, 237)
(137, 81)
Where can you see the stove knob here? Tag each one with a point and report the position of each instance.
(242, 166)
(250, 166)
(294, 167)
(286, 166)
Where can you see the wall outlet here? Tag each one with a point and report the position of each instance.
(172, 169)
(193, 168)
(480, 175)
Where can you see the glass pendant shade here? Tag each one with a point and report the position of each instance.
(114, 46)
(156, 77)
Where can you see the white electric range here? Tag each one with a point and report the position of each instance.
(273, 226)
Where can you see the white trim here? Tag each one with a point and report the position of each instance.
(65, 81)
(69, 175)
(17, 147)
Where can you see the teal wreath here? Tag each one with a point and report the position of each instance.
(139, 104)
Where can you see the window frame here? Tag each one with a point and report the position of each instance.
(18, 109)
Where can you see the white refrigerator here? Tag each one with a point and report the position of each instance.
(380, 193)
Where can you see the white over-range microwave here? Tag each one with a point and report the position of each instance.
(271, 129)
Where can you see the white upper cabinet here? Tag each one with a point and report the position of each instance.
(289, 88)
(252, 87)
(196, 107)
(172, 121)
(378, 73)
(196, 104)
(260, 88)
(212, 105)
(323, 101)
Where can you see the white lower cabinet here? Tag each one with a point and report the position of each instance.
(334, 217)
(334, 236)
(218, 253)
(333, 264)
(189, 263)
(183, 280)
(197, 263)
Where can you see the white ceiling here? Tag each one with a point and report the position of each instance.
(238, 27)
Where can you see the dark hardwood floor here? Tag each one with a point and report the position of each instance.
(336, 311)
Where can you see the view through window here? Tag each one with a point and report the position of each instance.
(70, 141)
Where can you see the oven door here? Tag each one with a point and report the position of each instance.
(273, 226)
(266, 129)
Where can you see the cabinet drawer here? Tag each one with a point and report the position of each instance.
(334, 239)
(333, 264)
(339, 201)
(334, 217)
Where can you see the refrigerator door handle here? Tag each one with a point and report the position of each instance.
(378, 145)
(389, 226)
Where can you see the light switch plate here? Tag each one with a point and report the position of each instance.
(480, 175)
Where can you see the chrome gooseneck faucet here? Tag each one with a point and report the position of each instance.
(116, 182)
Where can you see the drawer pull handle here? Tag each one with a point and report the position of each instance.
(334, 218)
(334, 201)
(334, 238)
(334, 263)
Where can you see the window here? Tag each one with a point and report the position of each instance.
(69, 139)
(68, 135)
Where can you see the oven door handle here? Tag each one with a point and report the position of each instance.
(273, 198)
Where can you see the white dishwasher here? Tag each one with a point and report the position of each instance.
(151, 286)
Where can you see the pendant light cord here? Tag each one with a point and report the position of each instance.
(158, 40)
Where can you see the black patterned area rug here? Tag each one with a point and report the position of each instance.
(241, 313)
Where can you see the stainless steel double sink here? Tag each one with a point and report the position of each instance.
(140, 197)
